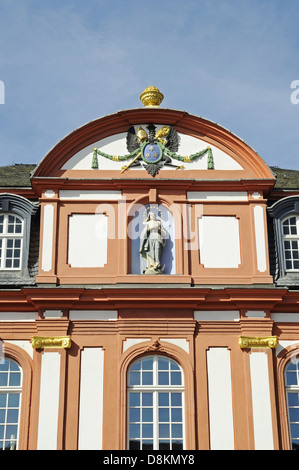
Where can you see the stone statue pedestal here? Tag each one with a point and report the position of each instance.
(154, 270)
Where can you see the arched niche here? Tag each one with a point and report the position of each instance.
(138, 263)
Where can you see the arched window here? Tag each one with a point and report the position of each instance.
(155, 410)
(10, 401)
(11, 241)
(290, 234)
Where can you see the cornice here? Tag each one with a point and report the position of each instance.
(28, 299)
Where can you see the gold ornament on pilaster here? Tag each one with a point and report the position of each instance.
(60, 342)
(151, 97)
(258, 342)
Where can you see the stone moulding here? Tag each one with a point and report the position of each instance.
(258, 342)
(41, 342)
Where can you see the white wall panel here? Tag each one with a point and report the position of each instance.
(260, 238)
(261, 401)
(49, 401)
(217, 196)
(88, 235)
(91, 399)
(219, 242)
(219, 315)
(90, 195)
(47, 243)
(220, 399)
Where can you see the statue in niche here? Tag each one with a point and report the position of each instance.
(152, 242)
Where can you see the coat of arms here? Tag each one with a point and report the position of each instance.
(153, 148)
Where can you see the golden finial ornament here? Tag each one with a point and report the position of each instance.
(151, 97)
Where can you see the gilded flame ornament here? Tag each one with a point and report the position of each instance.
(151, 97)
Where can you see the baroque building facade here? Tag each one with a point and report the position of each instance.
(149, 290)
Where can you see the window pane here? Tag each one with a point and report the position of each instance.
(147, 415)
(135, 378)
(291, 378)
(163, 399)
(163, 378)
(134, 431)
(176, 415)
(294, 430)
(2, 415)
(176, 399)
(11, 432)
(134, 415)
(16, 263)
(14, 379)
(147, 364)
(294, 414)
(174, 366)
(293, 399)
(134, 399)
(177, 430)
(136, 366)
(3, 397)
(164, 415)
(147, 399)
(163, 364)
(147, 378)
(12, 416)
(3, 379)
(164, 430)
(176, 378)
(147, 430)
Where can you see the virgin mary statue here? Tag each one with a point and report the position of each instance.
(152, 242)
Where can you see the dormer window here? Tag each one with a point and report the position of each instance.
(285, 213)
(290, 234)
(11, 241)
(15, 224)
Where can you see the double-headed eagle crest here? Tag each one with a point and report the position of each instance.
(153, 149)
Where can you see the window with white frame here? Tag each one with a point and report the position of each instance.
(11, 241)
(155, 404)
(10, 400)
(290, 234)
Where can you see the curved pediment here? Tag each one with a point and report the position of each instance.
(153, 143)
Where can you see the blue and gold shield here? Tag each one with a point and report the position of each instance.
(152, 152)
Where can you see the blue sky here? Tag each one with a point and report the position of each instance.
(65, 63)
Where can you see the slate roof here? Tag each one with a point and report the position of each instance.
(18, 176)
(285, 179)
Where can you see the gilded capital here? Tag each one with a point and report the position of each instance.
(151, 97)
(41, 342)
(258, 342)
